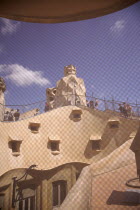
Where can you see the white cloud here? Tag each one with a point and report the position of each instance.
(9, 27)
(118, 26)
(22, 76)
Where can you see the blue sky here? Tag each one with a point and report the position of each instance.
(105, 50)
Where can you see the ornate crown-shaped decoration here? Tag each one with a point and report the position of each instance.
(70, 69)
(2, 84)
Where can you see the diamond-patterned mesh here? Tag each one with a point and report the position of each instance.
(74, 156)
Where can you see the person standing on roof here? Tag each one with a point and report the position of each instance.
(6, 115)
(121, 108)
(87, 102)
(10, 116)
(125, 109)
(91, 103)
(96, 104)
(17, 115)
(37, 112)
(129, 109)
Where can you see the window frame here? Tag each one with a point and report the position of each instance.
(3, 197)
(56, 145)
(35, 125)
(76, 112)
(96, 145)
(17, 145)
(54, 140)
(60, 197)
(114, 123)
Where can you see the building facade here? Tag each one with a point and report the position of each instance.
(42, 156)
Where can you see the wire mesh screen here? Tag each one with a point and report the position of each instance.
(129, 111)
(69, 111)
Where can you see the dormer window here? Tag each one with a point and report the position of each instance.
(76, 113)
(54, 145)
(95, 143)
(14, 145)
(54, 142)
(34, 127)
(114, 123)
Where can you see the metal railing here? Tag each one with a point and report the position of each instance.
(33, 109)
